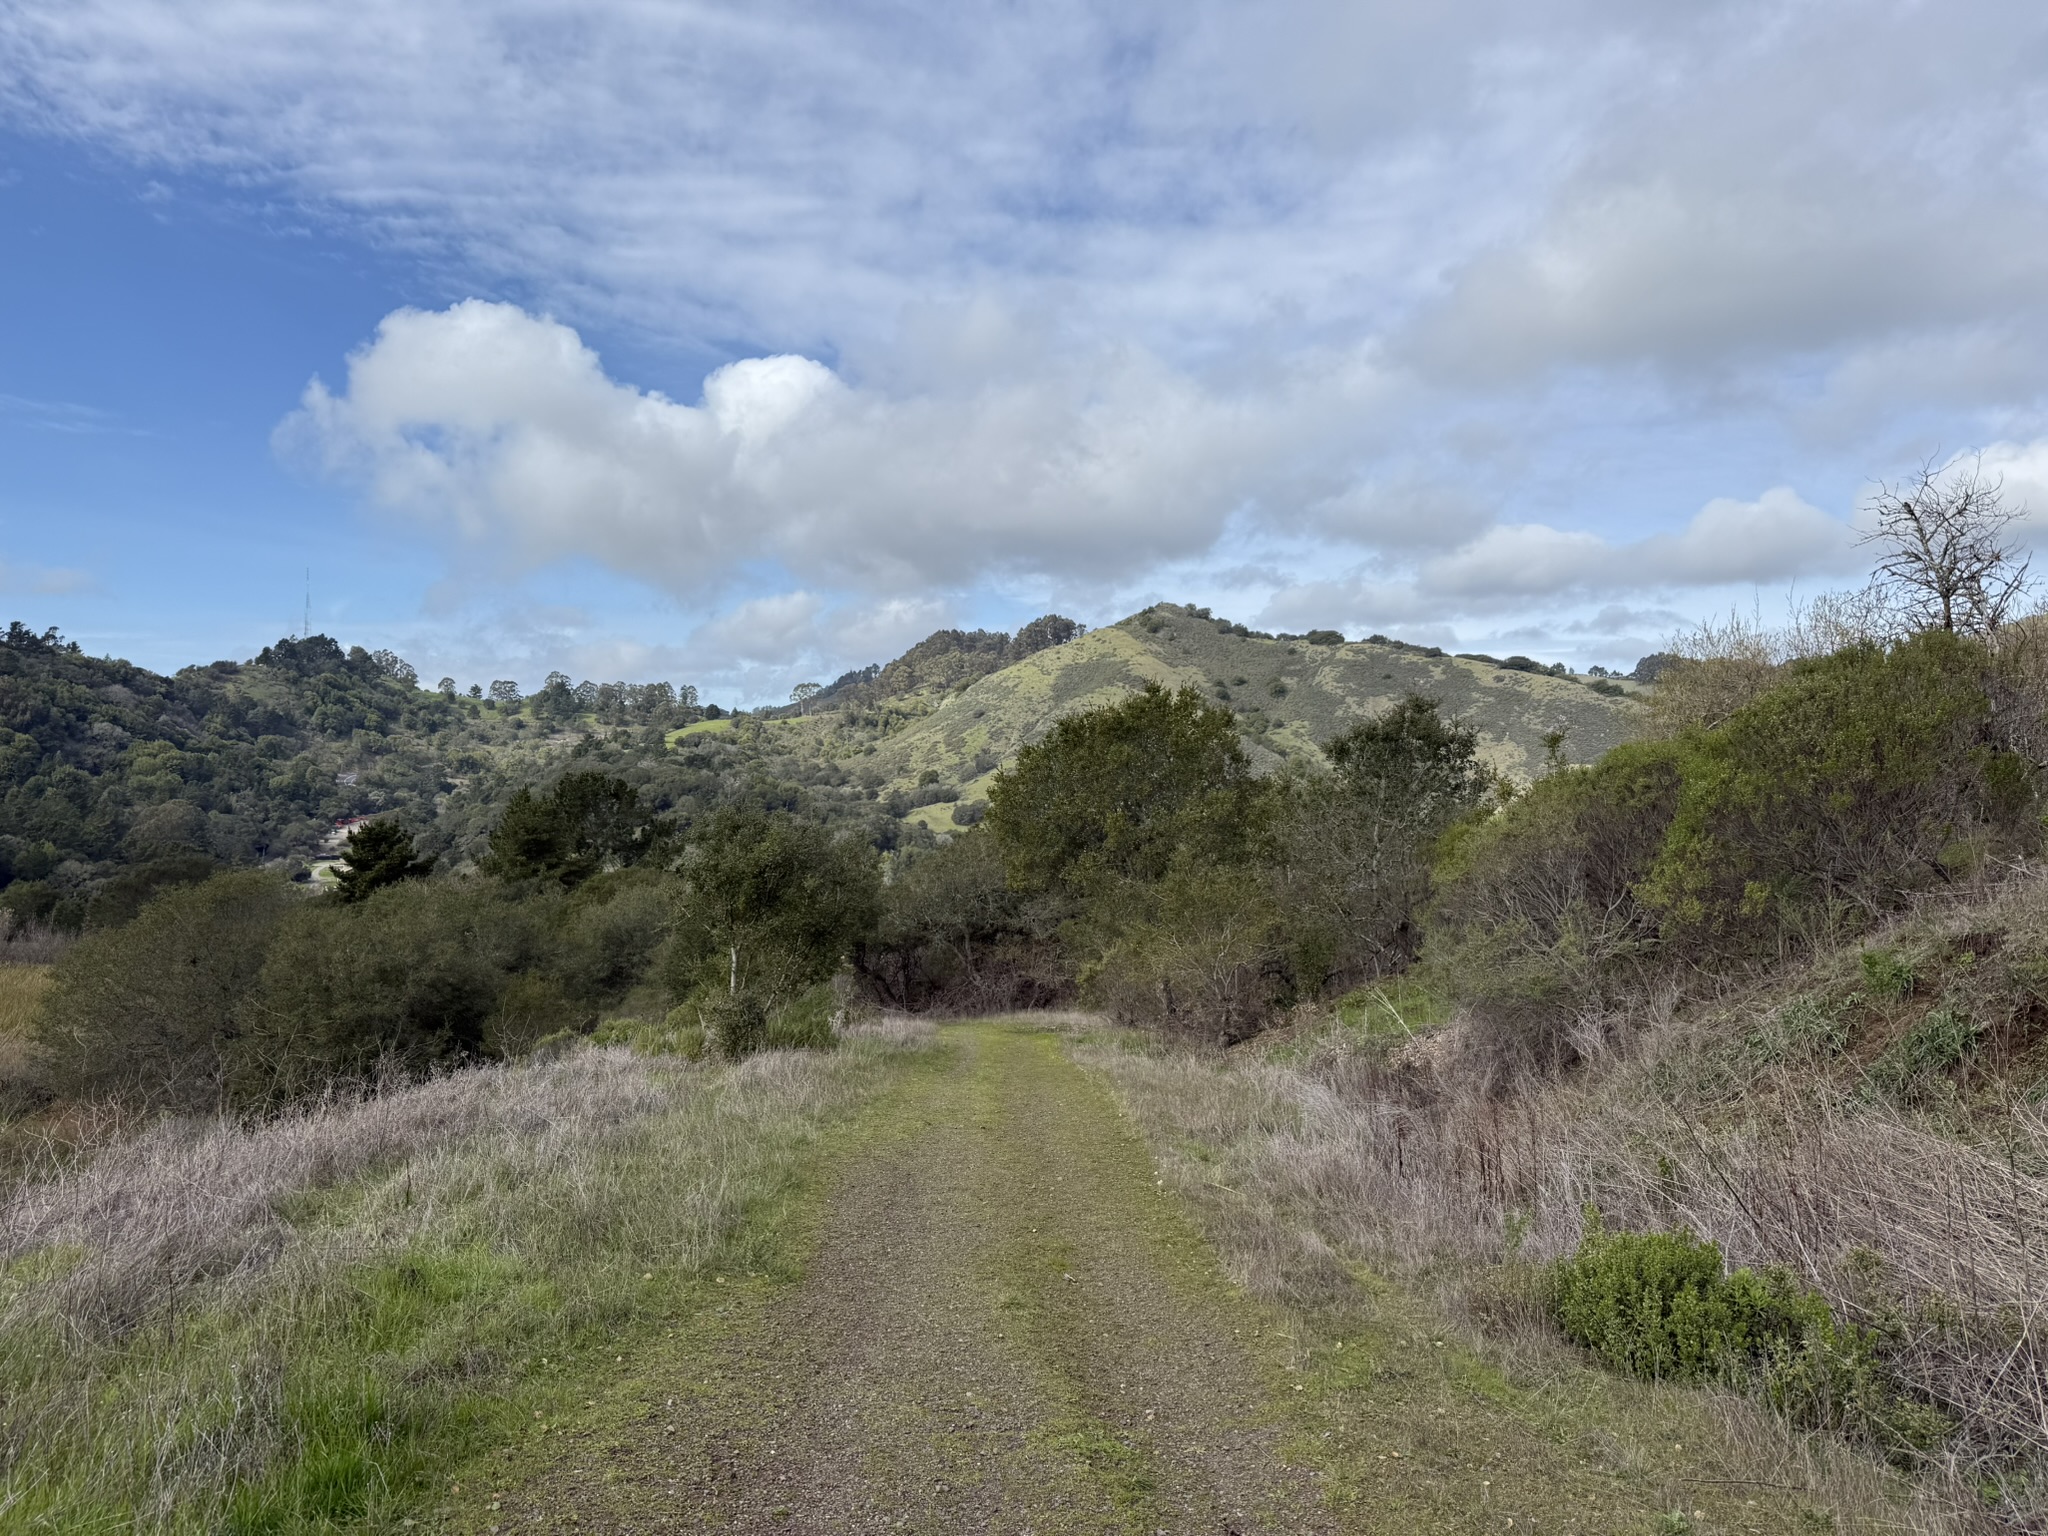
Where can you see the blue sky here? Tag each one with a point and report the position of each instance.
(743, 344)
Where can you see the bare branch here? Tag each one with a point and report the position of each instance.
(1946, 558)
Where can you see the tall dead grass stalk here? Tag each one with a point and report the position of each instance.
(1340, 1156)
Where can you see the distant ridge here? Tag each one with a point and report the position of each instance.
(947, 659)
(957, 706)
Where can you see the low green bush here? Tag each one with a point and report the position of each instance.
(1398, 1008)
(1887, 974)
(679, 1034)
(1652, 1304)
(735, 1024)
(1804, 1029)
(1664, 1306)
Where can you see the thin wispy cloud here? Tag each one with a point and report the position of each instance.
(58, 416)
(20, 579)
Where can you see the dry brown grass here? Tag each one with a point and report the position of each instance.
(1927, 1222)
(21, 993)
(21, 990)
(171, 1304)
(31, 943)
(899, 1029)
(1305, 1177)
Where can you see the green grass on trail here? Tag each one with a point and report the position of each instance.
(986, 1293)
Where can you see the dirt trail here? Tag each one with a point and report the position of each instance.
(1005, 1323)
(1007, 1326)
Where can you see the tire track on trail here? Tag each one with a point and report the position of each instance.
(1006, 1325)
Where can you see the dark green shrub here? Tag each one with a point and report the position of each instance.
(1536, 916)
(588, 822)
(953, 937)
(1350, 850)
(1198, 953)
(155, 1011)
(1663, 1305)
(611, 931)
(770, 905)
(1856, 780)
(407, 981)
(380, 853)
(121, 898)
(735, 1024)
(530, 1009)
(1117, 793)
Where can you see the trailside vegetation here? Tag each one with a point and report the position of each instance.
(1851, 784)
(1690, 983)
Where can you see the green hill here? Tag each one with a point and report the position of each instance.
(1290, 694)
(115, 780)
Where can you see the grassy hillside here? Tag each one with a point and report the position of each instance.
(115, 781)
(1290, 697)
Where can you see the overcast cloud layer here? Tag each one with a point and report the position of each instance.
(1539, 323)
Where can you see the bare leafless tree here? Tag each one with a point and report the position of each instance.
(1948, 559)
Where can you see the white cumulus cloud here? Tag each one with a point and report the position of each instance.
(504, 429)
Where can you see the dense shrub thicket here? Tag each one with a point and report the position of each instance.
(242, 991)
(1134, 856)
(1845, 786)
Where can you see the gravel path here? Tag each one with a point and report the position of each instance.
(1006, 1325)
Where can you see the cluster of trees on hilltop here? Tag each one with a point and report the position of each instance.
(613, 704)
(116, 782)
(114, 779)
